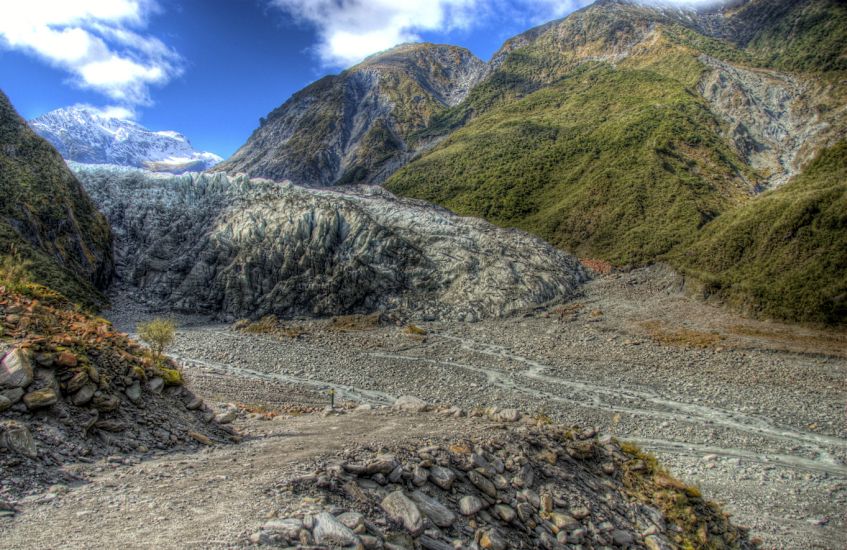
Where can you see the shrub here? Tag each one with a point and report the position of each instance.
(158, 334)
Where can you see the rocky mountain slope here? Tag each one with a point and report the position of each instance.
(88, 136)
(246, 248)
(50, 231)
(358, 126)
(618, 132)
(621, 131)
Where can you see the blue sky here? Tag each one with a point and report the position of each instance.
(211, 68)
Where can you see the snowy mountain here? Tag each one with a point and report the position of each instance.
(87, 135)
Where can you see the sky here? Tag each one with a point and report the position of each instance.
(210, 68)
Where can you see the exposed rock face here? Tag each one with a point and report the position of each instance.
(88, 136)
(247, 248)
(358, 126)
(772, 116)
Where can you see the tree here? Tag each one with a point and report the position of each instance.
(158, 334)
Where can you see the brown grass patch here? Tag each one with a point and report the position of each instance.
(599, 267)
(682, 337)
(351, 323)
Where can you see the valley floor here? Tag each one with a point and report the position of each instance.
(752, 412)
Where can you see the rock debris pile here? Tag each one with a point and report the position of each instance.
(72, 389)
(532, 486)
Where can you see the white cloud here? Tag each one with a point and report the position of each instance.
(95, 42)
(352, 29)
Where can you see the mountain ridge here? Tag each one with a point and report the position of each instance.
(86, 135)
(618, 132)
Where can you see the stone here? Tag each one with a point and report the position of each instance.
(442, 477)
(564, 522)
(289, 527)
(401, 509)
(16, 438)
(546, 503)
(199, 438)
(429, 543)
(5, 403)
(580, 512)
(352, 520)
(622, 538)
(509, 415)
(45, 359)
(194, 404)
(525, 478)
(505, 512)
(410, 403)
(110, 425)
(419, 476)
(469, 505)
(76, 382)
(437, 513)
(40, 399)
(656, 542)
(226, 417)
(331, 532)
(66, 359)
(14, 394)
(84, 395)
(106, 402)
(133, 392)
(156, 385)
(525, 511)
(482, 483)
(493, 540)
(16, 369)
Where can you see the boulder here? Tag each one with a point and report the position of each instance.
(410, 403)
(156, 385)
(469, 505)
(401, 509)
(133, 392)
(442, 477)
(16, 369)
(16, 438)
(437, 513)
(331, 532)
(84, 395)
(40, 399)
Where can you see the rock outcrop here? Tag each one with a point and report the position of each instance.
(358, 126)
(247, 248)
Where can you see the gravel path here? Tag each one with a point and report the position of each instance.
(754, 417)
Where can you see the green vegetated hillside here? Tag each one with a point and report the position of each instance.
(50, 231)
(783, 253)
(622, 176)
(592, 133)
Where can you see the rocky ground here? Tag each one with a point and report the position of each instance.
(751, 412)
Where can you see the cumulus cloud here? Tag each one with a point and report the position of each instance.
(99, 42)
(350, 30)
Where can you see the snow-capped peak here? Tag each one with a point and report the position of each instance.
(90, 136)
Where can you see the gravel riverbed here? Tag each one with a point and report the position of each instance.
(758, 422)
